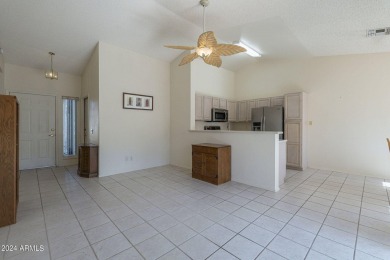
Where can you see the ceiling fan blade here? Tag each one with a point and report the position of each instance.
(180, 47)
(213, 59)
(188, 58)
(228, 49)
(207, 39)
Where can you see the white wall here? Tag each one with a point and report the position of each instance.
(90, 89)
(2, 69)
(212, 81)
(32, 81)
(143, 136)
(348, 103)
(181, 115)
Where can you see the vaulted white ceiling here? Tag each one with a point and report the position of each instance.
(277, 28)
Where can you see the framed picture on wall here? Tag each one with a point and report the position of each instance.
(137, 101)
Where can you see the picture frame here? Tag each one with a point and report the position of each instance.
(137, 101)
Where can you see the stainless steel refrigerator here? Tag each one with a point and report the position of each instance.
(268, 119)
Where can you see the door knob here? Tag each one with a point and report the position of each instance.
(51, 135)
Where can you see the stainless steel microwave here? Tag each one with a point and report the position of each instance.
(219, 115)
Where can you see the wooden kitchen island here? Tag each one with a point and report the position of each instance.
(211, 162)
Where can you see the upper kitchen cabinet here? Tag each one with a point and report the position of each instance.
(242, 113)
(222, 103)
(250, 104)
(232, 109)
(262, 102)
(277, 101)
(294, 105)
(215, 102)
(198, 107)
(207, 106)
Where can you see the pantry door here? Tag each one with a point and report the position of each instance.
(37, 130)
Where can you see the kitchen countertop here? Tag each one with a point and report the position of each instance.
(231, 131)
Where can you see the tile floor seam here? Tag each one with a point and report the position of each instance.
(120, 232)
(326, 215)
(78, 221)
(309, 248)
(154, 180)
(176, 247)
(44, 217)
(358, 224)
(133, 245)
(217, 251)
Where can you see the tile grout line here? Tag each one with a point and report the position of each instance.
(302, 182)
(160, 233)
(295, 214)
(43, 212)
(265, 247)
(120, 232)
(156, 178)
(70, 205)
(327, 214)
(200, 233)
(358, 225)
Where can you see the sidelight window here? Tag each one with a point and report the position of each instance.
(69, 126)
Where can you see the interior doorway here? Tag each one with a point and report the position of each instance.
(36, 131)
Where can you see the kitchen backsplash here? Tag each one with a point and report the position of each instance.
(199, 125)
(234, 126)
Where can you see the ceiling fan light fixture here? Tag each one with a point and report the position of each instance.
(208, 48)
(249, 50)
(51, 74)
(204, 51)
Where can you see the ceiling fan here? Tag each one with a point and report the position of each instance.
(208, 49)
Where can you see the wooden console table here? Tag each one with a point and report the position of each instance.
(88, 161)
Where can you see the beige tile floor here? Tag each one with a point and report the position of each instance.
(162, 213)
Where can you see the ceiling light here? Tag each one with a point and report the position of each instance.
(51, 74)
(250, 51)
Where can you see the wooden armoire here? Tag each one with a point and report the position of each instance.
(9, 159)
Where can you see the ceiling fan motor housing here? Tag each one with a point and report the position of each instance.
(204, 3)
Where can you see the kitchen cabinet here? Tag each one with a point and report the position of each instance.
(242, 113)
(215, 102)
(296, 129)
(277, 101)
(211, 163)
(88, 161)
(222, 103)
(262, 102)
(293, 106)
(293, 135)
(207, 105)
(198, 107)
(232, 109)
(250, 104)
(9, 159)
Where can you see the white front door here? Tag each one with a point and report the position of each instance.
(36, 130)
